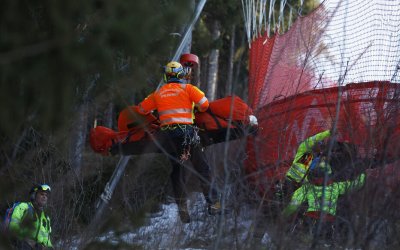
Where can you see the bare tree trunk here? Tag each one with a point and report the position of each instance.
(79, 137)
(109, 115)
(196, 76)
(212, 76)
(244, 85)
(204, 73)
(229, 83)
(79, 129)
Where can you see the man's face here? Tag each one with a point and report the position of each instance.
(41, 198)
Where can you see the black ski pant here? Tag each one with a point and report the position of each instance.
(173, 139)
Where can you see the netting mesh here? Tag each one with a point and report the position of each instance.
(340, 42)
(337, 66)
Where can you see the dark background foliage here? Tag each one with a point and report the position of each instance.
(50, 52)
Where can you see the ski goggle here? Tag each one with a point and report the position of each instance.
(43, 187)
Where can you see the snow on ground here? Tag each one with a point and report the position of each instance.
(164, 230)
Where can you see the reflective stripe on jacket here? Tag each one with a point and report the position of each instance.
(303, 157)
(28, 225)
(174, 103)
(327, 196)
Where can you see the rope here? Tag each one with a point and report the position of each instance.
(191, 138)
(281, 19)
(256, 20)
(271, 10)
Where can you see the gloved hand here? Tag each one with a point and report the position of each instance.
(253, 120)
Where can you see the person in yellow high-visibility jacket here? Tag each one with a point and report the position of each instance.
(304, 156)
(321, 194)
(29, 223)
(306, 152)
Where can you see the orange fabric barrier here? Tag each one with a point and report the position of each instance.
(221, 110)
(102, 139)
(368, 116)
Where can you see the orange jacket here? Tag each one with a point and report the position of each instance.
(174, 103)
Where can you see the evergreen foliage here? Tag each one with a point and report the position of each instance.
(51, 51)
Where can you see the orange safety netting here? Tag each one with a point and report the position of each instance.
(280, 66)
(330, 64)
(368, 116)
